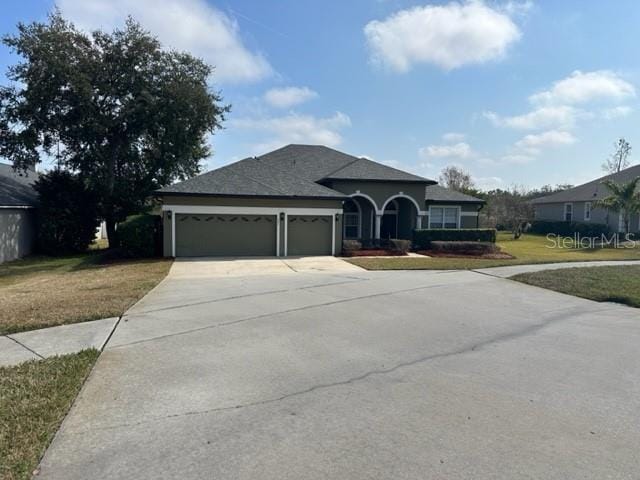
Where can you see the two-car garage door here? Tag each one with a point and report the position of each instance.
(225, 235)
(202, 235)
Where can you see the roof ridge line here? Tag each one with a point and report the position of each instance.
(259, 159)
(341, 168)
(258, 181)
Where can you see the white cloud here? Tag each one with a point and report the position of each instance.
(580, 88)
(550, 138)
(288, 96)
(544, 117)
(489, 183)
(616, 112)
(453, 137)
(448, 36)
(460, 150)
(296, 128)
(191, 25)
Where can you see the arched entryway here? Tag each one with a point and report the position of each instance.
(358, 218)
(399, 218)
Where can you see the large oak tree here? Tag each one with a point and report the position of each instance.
(116, 108)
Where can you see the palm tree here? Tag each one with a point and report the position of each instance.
(624, 199)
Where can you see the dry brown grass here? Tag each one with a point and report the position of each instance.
(42, 291)
(34, 398)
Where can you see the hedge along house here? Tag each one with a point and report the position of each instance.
(578, 204)
(18, 223)
(303, 200)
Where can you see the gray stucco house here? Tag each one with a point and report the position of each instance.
(303, 200)
(18, 201)
(577, 204)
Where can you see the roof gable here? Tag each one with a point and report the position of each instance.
(16, 189)
(590, 191)
(291, 171)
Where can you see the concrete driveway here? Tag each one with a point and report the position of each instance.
(358, 375)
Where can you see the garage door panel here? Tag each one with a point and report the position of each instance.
(309, 234)
(225, 235)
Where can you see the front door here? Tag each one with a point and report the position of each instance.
(389, 226)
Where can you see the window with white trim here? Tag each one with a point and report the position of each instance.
(568, 212)
(351, 225)
(444, 217)
(587, 211)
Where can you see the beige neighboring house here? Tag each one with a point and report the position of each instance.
(18, 202)
(578, 204)
(304, 200)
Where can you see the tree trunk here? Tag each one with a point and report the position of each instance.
(112, 233)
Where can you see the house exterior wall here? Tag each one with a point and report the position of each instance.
(249, 202)
(17, 233)
(380, 192)
(468, 218)
(555, 212)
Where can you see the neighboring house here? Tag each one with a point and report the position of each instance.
(303, 200)
(577, 204)
(18, 200)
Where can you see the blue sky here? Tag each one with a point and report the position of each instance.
(526, 93)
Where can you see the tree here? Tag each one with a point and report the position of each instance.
(67, 213)
(624, 199)
(456, 178)
(509, 209)
(125, 114)
(619, 159)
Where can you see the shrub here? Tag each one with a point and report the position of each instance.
(399, 245)
(67, 213)
(568, 229)
(140, 236)
(423, 238)
(351, 245)
(474, 248)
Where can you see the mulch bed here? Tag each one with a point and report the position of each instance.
(486, 256)
(373, 253)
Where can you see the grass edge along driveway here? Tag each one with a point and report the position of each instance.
(38, 292)
(529, 249)
(620, 284)
(35, 396)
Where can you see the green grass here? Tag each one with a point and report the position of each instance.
(38, 292)
(527, 250)
(34, 399)
(619, 284)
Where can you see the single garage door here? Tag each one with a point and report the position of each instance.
(309, 234)
(225, 235)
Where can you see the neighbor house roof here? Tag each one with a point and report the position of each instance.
(291, 171)
(438, 194)
(591, 191)
(16, 188)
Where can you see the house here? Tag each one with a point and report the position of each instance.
(303, 200)
(18, 201)
(577, 204)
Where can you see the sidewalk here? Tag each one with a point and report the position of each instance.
(511, 270)
(47, 342)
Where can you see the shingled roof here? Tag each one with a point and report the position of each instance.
(291, 171)
(438, 194)
(590, 191)
(16, 189)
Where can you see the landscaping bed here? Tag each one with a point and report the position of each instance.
(529, 249)
(35, 397)
(485, 256)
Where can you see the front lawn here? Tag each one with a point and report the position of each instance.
(39, 292)
(602, 284)
(528, 249)
(34, 399)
